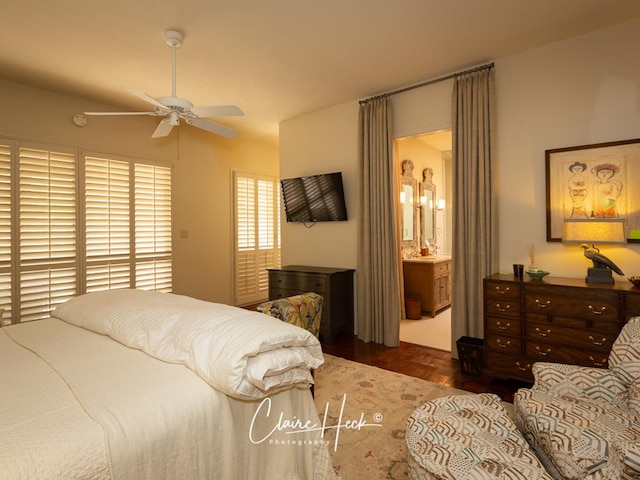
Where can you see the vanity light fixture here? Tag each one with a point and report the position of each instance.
(440, 205)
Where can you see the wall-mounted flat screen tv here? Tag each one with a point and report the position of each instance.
(317, 198)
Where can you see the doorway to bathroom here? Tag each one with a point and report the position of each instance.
(427, 241)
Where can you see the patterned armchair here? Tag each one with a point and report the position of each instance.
(584, 423)
(302, 310)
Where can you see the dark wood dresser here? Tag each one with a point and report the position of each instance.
(563, 320)
(334, 284)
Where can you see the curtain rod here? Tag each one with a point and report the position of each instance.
(428, 82)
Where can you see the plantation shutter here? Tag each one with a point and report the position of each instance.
(257, 235)
(153, 227)
(107, 220)
(47, 231)
(5, 229)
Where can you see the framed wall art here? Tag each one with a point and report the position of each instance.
(593, 182)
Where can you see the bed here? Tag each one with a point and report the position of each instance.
(131, 384)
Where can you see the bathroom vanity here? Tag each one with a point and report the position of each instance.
(428, 278)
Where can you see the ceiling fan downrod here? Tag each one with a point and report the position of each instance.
(174, 40)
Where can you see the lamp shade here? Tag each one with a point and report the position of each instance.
(597, 230)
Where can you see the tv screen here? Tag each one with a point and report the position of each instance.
(317, 198)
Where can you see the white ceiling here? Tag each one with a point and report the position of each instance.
(275, 59)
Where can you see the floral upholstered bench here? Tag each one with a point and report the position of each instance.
(468, 437)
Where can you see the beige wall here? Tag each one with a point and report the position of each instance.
(323, 142)
(585, 90)
(582, 91)
(202, 168)
(203, 207)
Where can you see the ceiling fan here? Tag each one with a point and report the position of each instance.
(174, 108)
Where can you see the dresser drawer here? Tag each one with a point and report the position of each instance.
(603, 325)
(299, 282)
(317, 284)
(275, 293)
(503, 307)
(502, 290)
(503, 326)
(546, 352)
(562, 336)
(503, 343)
(442, 269)
(509, 366)
(603, 307)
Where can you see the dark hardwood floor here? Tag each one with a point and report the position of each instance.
(420, 362)
(417, 361)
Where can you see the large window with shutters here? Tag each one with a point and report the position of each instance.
(72, 223)
(257, 234)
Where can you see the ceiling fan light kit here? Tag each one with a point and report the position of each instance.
(175, 108)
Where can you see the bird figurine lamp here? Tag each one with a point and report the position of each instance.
(588, 232)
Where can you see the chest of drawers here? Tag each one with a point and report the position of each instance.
(562, 320)
(335, 285)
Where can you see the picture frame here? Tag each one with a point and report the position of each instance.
(593, 181)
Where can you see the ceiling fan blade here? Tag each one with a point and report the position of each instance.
(164, 128)
(217, 111)
(212, 127)
(146, 98)
(120, 113)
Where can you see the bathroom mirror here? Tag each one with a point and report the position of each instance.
(427, 208)
(408, 203)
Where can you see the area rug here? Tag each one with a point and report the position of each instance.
(364, 410)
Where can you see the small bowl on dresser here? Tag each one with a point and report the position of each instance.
(635, 280)
(537, 274)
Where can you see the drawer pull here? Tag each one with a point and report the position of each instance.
(541, 333)
(501, 291)
(595, 342)
(544, 354)
(501, 308)
(525, 368)
(539, 304)
(597, 312)
(502, 327)
(601, 363)
(503, 345)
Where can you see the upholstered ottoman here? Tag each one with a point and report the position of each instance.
(468, 437)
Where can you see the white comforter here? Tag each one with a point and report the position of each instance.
(79, 405)
(244, 354)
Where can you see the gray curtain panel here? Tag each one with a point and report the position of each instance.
(378, 280)
(475, 226)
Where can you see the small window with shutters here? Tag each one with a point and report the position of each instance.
(257, 235)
